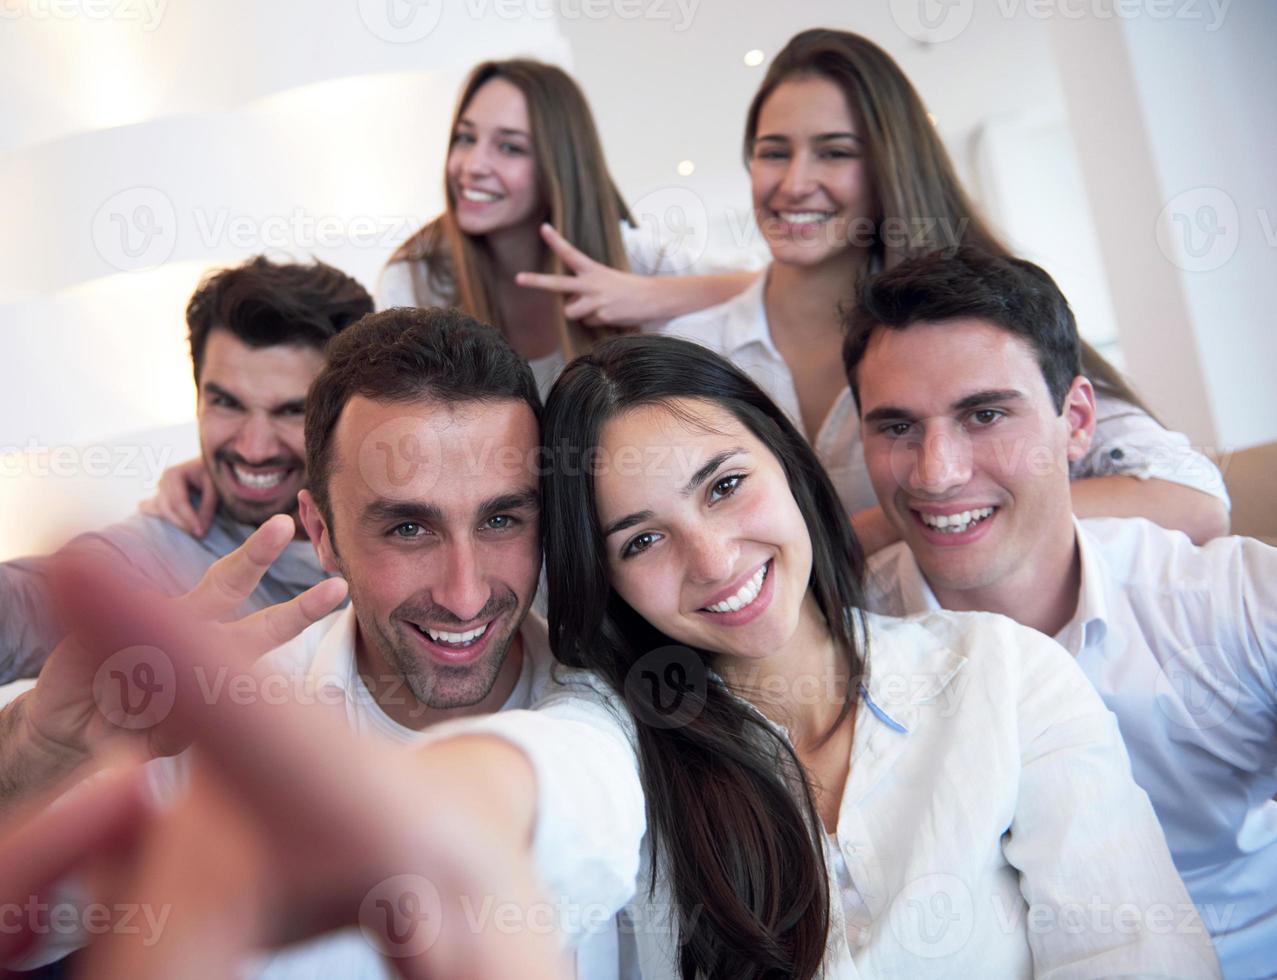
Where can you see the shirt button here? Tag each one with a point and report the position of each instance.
(1116, 454)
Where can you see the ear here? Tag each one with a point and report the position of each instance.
(1079, 412)
(312, 519)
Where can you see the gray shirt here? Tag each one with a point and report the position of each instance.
(168, 558)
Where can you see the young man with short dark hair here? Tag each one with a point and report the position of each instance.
(966, 373)
(257, 337)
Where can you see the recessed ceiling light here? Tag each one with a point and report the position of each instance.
(754, 57)
(686, 168)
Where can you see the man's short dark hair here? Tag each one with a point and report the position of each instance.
(266, 303)
(970, 283)
(409, 355)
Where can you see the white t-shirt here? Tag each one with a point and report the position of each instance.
(400, 284)
(989, 824)
(1127, 441)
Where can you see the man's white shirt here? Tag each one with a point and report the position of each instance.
(1181, 643)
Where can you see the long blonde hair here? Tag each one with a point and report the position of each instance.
(581, 200)
(915, 185)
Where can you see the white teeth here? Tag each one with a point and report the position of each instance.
(955, 523)
(258, 481)
(440, 636)
(471, 194)
(805, 217)
(747, 594)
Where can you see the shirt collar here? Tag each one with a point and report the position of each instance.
(904, 676)
(746, 318)
(1089, 624)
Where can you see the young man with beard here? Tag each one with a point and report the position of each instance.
(257, 336)
(967, 376)
(422, 444)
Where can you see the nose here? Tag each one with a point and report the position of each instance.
(942, 461)
(256, 440)
(711, 557)
(461, 589)
(800, 178)
(474, 160)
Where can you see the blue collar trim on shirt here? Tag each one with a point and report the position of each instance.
(880, 714)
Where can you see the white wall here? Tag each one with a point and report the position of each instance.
(1174, 124)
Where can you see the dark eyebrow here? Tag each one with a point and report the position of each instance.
(886, 413)
(822, 137)
(985, 397)
(699, 477)
(213, 388)
(625, 523)
(503, 130)
(892, 413)
(527, 499)
(714, 462)
(383, 511)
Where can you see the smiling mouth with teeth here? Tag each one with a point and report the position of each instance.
(457, 641)
(804, 217)
(259, 480)
(482, 197)
(956, 523)
(747, 594)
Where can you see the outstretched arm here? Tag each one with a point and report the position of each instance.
(600, 296)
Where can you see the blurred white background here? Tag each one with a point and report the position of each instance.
(1127, 145)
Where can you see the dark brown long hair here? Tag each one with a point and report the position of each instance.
(923, 206)
(730, 811)
(581, 199)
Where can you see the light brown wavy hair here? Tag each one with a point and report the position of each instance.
(580, 199)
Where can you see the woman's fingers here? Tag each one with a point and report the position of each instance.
(572, 257)
(549, 282)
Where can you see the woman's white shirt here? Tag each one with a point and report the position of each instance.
(1127, 441)
(648, 253)
(989, 826)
